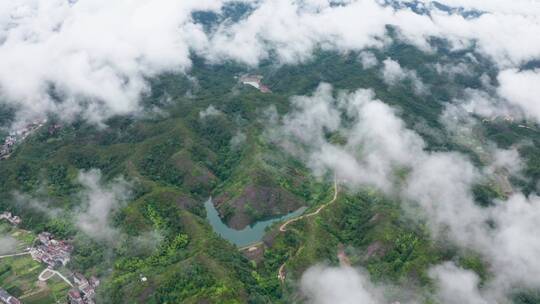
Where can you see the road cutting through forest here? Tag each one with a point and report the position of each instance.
(283, 228)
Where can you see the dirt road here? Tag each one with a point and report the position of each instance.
(14, 255)
(49, 273)
(283, 227)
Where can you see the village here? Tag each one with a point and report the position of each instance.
(17, 136)
(52, 252)
(55, 254)
(85, 291)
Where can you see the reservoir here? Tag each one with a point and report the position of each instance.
(250, 234)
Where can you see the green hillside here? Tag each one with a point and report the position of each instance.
(175, 158)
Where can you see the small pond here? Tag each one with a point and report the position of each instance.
(250, 234)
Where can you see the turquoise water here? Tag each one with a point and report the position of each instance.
(250, 234)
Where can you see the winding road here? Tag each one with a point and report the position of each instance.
(49, 273)
(283, 228)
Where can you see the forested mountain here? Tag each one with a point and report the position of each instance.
(388, 161)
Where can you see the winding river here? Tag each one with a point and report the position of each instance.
(250, 234)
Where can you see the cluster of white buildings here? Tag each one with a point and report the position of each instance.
(12, 219)
(85, 291)
(506, 118)
(19, 135)
(7, 147)
(52, 252)
(56, 253)
(255, 81)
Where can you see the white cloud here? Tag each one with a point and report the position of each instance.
(315, 115)
(485, 105)
(440, 183)
(513, 246)
(99, 202)
(516, 97)
(97, 54)
(506, 48)
(452, 69)
(237, 140)
(368, 60)
(344, 285)
(210, 111)
(393, 74)
(509, 160)
(522, 89)
(456, 285)
(293, 30)
(437, 185)
(510, 249)
(23, 200)
(523, 7)
(377, 142)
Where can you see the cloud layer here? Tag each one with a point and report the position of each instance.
(99, 202)
(521, 88)
(377, 149)
(94, 55)
(92, 58)
(342, 285)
